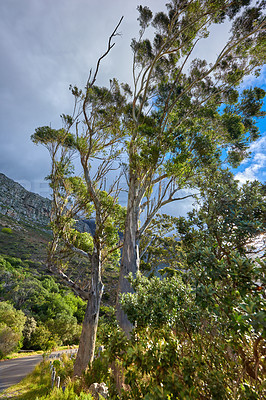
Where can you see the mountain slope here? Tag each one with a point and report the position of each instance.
(22, 205)
(27, 215)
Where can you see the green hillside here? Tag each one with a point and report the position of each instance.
(26, 241)
(29, 241)
(53, 311)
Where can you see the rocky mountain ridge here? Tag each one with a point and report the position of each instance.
(20, 204)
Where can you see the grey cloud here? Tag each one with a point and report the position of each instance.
(46, 45)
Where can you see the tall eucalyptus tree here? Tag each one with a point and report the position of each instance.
(175, 122)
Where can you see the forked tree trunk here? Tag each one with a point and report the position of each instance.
(130, 257)
(87, 341)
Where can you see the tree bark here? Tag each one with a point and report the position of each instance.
(87, 341)
(130, 255)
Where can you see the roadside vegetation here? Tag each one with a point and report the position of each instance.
(37, 313)
(37, 385)
(49, 313)
(199, 322)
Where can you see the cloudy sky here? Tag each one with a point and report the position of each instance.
(48, 44)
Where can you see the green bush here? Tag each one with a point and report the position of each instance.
(42, 339)
(11, 327)
(65, 327)
(188, 346)
(40, 297)
(158, 302)
(29, 328)
(6, 230)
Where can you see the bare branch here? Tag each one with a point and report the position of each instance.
(90, 82)
(160, 203)
(73, 285)
(109, 47)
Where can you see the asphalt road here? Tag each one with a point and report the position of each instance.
(13, 371)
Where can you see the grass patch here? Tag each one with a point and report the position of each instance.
(22, 354)
(34, 353)
(36, 384)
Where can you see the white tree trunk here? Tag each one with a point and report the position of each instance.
(87, 341)
(130, 254)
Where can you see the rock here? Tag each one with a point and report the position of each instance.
(20, 204)
(98, 388)
(86, 225)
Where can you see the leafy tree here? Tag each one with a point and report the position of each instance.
(28, 330)
(43, 339)
(37, 295)
(200, 333)
(160, 246)
(73, 195)
(65, 327)
(11, 327)
(171, 126)
(144, 308)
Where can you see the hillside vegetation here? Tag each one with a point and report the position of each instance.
(199, 332)
(41, 311)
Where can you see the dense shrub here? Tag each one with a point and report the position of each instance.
(65, 327)
(42, 339)
(6, 230)
(28, 330)
(11, 327)
(57, 312)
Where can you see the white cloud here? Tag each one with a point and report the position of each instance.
(257, 162)
(252, 80)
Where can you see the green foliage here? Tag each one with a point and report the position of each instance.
(164, 309)
(203, 355)
(106, 366)
(6, 230)
(185, 119)
(47, 135)
(69, 394)
(42, 339)
(83, 241)
(158, 363)
(64, 367)
(28, 330)
(54, 312)
(11, 326)
(98, 371)
(65, 327)
(159, 246)
(200, 332)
